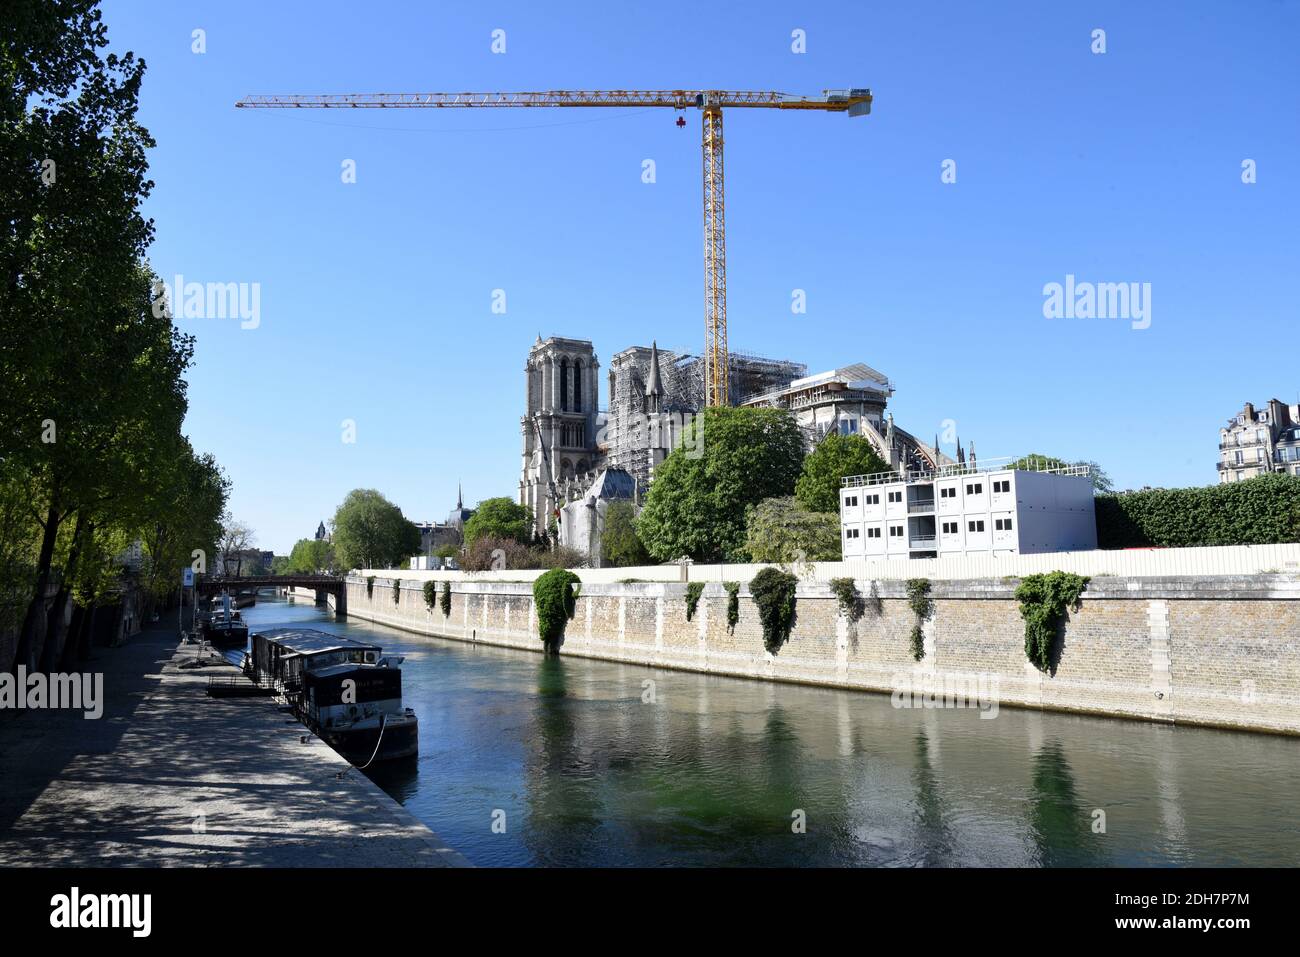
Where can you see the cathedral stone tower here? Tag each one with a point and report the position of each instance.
(559, 427)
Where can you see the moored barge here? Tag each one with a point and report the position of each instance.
(343, 690)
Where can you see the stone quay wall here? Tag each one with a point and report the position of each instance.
(1219, 651)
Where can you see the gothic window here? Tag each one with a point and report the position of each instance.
(564, 385)
(577, 385)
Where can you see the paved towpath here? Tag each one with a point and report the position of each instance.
(170, 777)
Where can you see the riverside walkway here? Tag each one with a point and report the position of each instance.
(170, 777)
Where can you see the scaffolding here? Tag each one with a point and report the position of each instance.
(633, 432)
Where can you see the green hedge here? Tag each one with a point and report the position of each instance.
(1258, 511)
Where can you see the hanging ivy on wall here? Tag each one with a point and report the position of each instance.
(846, 590)
(430, 595)
(773, 592)
(693, 592)
(733, 605)
(370, 586)
(918, 599)
(553, 594)
(446, 599)
(397, 590)
(1043, 600)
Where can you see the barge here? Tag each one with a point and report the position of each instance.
(344, 690)
(225, 627)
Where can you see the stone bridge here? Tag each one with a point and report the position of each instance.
(323, 585)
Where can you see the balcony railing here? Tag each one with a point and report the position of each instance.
(917, 541)
(926, 505)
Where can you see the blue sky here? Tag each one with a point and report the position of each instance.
(376, 296)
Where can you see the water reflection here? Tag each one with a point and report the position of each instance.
(1060, 823)
(931, 815)
(589, 770)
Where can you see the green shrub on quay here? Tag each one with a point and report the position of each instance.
(773, 592)
(430, 594)
(918, 599)
(1043, 600)
(733, 605)
(446, 599)
(693, 592)
(846, 591)
(553, 595)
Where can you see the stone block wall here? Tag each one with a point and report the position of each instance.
(1221, 651)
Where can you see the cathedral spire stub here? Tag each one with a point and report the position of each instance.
(654, 389)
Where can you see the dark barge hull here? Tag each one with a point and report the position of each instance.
(227, 637)
(400, 743)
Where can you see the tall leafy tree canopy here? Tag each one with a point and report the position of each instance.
(371, 532)
(499, 518)
(835, 457)
(731, 459)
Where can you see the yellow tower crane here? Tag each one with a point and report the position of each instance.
(710, 103)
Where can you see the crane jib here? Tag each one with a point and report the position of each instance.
(854, 101)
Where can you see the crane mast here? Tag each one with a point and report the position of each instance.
(710, 103)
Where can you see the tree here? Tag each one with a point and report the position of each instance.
(236, 539)
(183, 513)
(620, 545)
(782, 530)
(732, 458)
(90, 371)
(92, 390)
(371, 532)
(500, 518)
(310, 556)
(836, 456)
(1034, 461)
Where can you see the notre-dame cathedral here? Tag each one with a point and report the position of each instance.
(652, 395)
(568, 441)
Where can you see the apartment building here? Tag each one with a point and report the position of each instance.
(966, 510)
(1255, 441)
